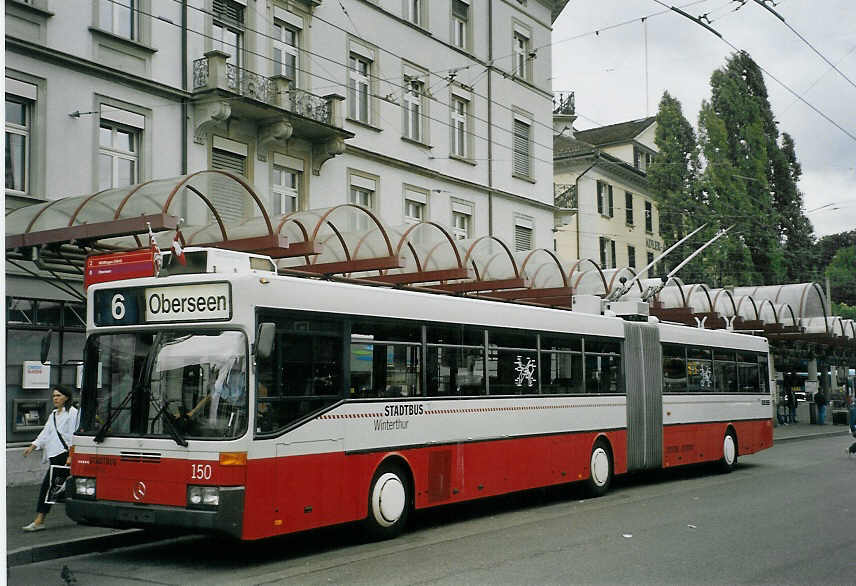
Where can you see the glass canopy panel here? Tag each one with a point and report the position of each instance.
(492, 260)
(815, 325)
(588, 282)
(767, 313)
(786, 315)
(723, 302)
(18, 220)
(102, 207)
(672, 296)
(540, 268)
(746, 307)
(149, 198)
(59, 215)
(698, 297)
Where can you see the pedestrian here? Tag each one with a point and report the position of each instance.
(791, 399)
(54, 440)
(820, 401)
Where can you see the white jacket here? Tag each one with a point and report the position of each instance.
(48, 442)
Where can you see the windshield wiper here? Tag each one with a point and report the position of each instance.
(102, 431)
(169, 422)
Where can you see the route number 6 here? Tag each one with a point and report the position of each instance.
(200, 472)
(117, 306)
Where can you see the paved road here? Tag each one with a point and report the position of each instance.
(785, 516)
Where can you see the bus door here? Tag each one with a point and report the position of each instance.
(309, 482)
(643, 372)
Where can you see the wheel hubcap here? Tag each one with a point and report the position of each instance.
(388, 499)
(599, 466)
(728, 449)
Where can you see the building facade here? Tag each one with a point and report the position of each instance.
(433, 110)
(605, 209)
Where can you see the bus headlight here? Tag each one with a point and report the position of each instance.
(203, 496)
(84, 487)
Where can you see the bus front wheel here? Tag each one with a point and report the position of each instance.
(729, 452)
(600, 476)
(389, 502)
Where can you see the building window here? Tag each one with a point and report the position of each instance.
(631, 257)
(649, 217)
(460, 23)
(226, 196)
(650, 259)
(413, 110)
(286, 59)
(607, 253)
(604, 199)
(362, 196)
(628, 208)
(460, 134)
(18, 125)
(286, 190)
(413, 11)
(521, 163)
(521, 55)
(229, 29)
(119, 17)
(358, 88)
(414, 206)
(461, 223)
(642, 159)
(118, 156)
(523, 229)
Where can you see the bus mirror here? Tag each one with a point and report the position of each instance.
(46, 346)
(264, 339)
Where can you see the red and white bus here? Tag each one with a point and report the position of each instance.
(232, 399)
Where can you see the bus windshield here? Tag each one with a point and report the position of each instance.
(176, 384)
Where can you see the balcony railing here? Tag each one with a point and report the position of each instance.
(213, 72)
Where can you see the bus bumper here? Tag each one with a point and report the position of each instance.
(226, 519)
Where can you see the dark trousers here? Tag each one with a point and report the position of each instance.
(42, 506)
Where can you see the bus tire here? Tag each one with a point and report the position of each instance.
(600, 469)
(729, 451)
(389, 502)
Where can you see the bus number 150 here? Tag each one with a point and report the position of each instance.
(200, 472)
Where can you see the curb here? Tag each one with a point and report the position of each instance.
(808, 436)
(61, 549)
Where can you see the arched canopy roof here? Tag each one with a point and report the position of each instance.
(698, 297)
(587, 278)
(723, 302)
(219, 208)
(806, 299)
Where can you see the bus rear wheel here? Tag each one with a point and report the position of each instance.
(389, 502)
(600, 468)
(729, 452)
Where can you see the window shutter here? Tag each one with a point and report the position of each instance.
(460, 9)
(612, 252)
(599, 197)
(226, 196)
(602, 246)
(520, 159)
(227, 10)
(610, 201)
(522, 238)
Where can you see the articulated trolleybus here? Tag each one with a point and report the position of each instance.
(231, 399)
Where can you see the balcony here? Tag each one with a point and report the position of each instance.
(222, 90)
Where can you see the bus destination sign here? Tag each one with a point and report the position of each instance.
(138, 305)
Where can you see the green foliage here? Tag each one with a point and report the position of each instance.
(841, 272)
(738, 172)
(844, 310)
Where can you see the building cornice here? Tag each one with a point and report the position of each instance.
(41, 52)
(609, 164)
(427, 172)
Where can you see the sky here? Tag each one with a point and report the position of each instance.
(607, 73)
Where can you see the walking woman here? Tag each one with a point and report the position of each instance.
(54, 441)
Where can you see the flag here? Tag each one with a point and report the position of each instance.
(157, 257)
(177, 249)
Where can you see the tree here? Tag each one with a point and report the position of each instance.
(796, 233)
(738, 136)
(672, 176)
(842, 276)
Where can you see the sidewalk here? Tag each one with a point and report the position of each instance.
(63, 537)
